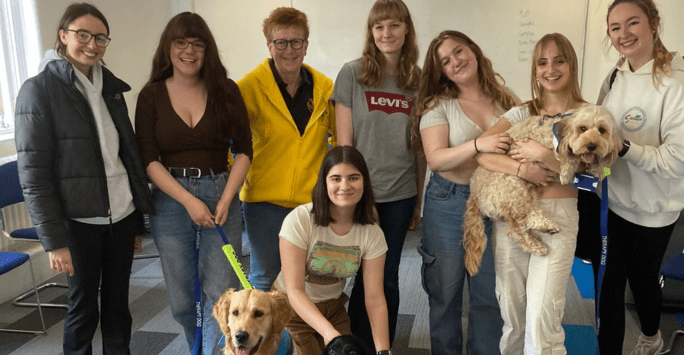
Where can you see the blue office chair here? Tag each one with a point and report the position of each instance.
(10, 194)
(10, 261)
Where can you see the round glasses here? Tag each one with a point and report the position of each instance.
(182, 43)
(83, 36)
(296, 43)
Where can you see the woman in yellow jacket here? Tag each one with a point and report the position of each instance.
(293, 126)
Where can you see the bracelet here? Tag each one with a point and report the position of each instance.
(477, 150)
(384, 352)
(518, 172)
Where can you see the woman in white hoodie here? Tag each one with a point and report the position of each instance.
(645, 94)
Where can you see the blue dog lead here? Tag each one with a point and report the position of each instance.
(197, 344)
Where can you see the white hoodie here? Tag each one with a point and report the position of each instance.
(646, 186)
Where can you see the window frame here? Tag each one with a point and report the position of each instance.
(19, 55)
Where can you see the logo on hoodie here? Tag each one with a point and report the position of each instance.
(388, 103)
(634, 119)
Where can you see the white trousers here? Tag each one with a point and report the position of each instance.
(531, 288)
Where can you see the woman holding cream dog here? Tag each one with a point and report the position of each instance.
(531, 288)
(325, 242)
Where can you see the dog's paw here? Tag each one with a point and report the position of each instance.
(550, 229)
(541, 250)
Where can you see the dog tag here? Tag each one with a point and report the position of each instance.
(585, 182)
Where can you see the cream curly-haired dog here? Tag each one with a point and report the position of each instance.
(587, 140)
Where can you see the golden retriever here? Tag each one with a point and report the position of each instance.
(587, 140)
(252, 321)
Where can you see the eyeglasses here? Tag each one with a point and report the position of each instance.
(83, 36)
(182, 43)
(296, 43)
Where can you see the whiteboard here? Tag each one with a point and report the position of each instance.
(505, 30)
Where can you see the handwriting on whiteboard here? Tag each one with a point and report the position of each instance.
(527, 37)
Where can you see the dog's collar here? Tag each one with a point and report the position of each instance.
(556, 140)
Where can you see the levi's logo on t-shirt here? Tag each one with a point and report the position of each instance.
(388, 103)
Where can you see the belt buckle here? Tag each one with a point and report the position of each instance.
(199, 172)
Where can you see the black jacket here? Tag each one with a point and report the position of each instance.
(61, 169)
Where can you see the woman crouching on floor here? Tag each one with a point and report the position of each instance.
(325, 242)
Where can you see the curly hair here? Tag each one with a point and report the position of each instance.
(364, 213)
(567, 52)
(374, 62)
(73, 12)
(222, 97)
(435, 85)
(662, 58)
(284, 17)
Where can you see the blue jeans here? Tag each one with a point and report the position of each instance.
(394, 218)
(444, 273)
(263, 221)
(174, 235)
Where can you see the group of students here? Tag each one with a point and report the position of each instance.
(326, 214)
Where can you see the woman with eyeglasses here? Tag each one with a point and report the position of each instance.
(83, 180)
(187, 115)
(373, 103)
(293, 123)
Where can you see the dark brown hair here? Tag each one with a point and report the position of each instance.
(408, 73)
(223, 97)
(73, 12)
(284, 17)
(435, 85)
(365, 208)
(662, 58)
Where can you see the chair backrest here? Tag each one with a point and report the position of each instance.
(10, 190)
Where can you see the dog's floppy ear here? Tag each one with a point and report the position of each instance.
(221, 309)
(562, 130)
(282, 311)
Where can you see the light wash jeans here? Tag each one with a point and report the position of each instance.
(444, 274)
(263, 221)
(174, 236)
(531, 288)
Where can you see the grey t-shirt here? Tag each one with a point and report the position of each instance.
(381, 117)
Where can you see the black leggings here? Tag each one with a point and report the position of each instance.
(635, 253)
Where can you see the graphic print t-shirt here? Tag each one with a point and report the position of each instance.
(331, 258)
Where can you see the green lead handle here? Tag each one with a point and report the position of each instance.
(235, 263)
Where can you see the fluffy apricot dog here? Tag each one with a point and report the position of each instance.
(252, 321)
(587, 141)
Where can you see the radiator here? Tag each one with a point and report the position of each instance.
(14, 217)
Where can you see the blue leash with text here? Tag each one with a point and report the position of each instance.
(604, 248)
(197, 344)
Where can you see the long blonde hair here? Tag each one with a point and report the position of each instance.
(567, 52)
(374, 61)
(662, 58)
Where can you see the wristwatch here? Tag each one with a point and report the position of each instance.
(384, 352)
(625, 148)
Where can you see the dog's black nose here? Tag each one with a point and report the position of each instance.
(241, 336)
(591, 147)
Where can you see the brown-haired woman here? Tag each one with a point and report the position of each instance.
(460, 97)
(187, 114)
(84, 184)
(645, 94)
(374, 98)
(324, 243)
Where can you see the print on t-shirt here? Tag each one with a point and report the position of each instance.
(328, 263)
(388, 103)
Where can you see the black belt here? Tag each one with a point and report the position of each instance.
(192, 172)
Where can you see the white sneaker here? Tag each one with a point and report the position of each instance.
(648, 347)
